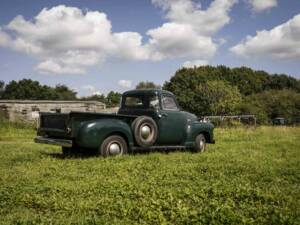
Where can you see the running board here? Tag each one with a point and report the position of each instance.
(176, 147)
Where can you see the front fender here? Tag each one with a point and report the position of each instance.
(92, 133)
(199, 127)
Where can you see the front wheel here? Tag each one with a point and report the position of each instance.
(114, 145)
(200, 144)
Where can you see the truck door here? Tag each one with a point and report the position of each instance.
(172, 122)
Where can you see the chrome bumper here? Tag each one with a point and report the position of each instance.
(53, 141)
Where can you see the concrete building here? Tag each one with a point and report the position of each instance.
(28, 110)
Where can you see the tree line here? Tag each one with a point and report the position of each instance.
(205, 90)
(220, 90)
(28, 89)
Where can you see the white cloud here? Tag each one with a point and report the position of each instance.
(87, 90)
(67, 40)
(189, 31)
(193, 63)
(96, 93)
(205, 22)
(51, 66)
(282, 42)
(262, 5)
(173, 40)
(125, 83)
(88, 87)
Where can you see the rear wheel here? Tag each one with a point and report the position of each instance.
(114, 145)
(66, 151)
(200, 144)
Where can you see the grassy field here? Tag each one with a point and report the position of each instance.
(250, 176)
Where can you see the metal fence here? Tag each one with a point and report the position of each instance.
(232, 120)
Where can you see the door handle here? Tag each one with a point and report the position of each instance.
(162, 115)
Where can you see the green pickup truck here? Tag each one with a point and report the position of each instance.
(147, 119)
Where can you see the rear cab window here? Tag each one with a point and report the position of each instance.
(133, 101)
(141, 101)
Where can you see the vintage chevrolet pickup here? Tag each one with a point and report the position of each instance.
(147, 119)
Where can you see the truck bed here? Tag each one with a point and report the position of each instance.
(64, 125)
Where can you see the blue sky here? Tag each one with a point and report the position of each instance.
(95, 46)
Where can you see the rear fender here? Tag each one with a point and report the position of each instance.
(92, 133)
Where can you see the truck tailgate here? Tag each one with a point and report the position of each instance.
(53, 124)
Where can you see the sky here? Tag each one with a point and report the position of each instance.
(95, 46)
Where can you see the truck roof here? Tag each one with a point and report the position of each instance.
(147, 91)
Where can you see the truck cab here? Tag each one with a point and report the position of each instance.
(146, 119)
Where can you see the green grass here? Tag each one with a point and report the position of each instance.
(250, 176)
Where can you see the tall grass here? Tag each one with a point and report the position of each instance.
(250, 176)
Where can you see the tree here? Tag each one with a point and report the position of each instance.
(33, 90)
(247, 80)
(147, 85)
(100, 98)
(113, 99)
(217, 97)
(254, 87)
(281, 82)
(2, 87)
(64, 93)
(25, 89)
(273, 103)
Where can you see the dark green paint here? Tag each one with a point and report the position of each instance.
(88, 130)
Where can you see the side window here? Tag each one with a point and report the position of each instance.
(154, 102)
(169, 103)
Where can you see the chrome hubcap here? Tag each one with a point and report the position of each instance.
(114, 149)
(145, 131)
(201, 144)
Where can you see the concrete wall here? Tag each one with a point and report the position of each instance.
(17, 110)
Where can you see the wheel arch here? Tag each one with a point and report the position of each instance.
(118, 133)
(206, 135)
(200, 128)
(92, 133)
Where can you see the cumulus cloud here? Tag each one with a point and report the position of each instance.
(193, 63)
(88, 87)
(262, 5)
(205, 22)
(282, 42)
(89, 90)
(67, 40)
(189, 31)
(173, 40)
(125, 83)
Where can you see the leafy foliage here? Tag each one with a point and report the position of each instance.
(33, 90)
(217, 97)
(146, 85)
(64, 93)
(113, 99)
(190, 85)
(250, 176)
(2, 86)
(272, 104)
(100, 98)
